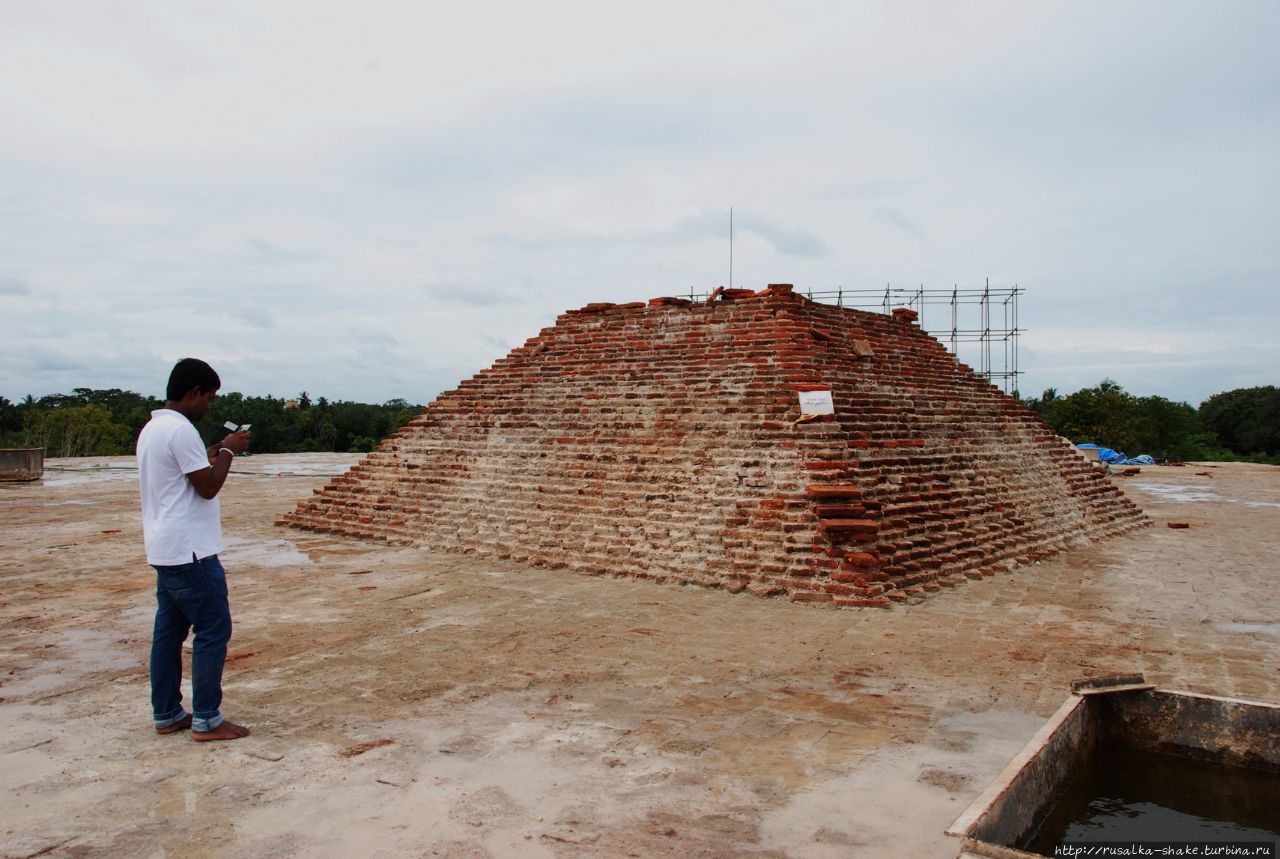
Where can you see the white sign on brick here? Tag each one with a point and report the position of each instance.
(816, 403)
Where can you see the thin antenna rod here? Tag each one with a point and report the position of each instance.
(731, 247)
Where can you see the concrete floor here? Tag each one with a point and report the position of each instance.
(411, 703)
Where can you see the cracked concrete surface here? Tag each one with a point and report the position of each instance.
(406, 703)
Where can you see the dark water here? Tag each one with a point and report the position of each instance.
(1127, 795)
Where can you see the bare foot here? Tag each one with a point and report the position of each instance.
(180, 725)
(226, 731)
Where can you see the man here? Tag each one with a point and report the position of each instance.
(182, 530)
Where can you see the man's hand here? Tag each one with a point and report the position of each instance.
(209, 480)
(238, 441)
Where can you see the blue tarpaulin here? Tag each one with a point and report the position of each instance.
(1111, 457)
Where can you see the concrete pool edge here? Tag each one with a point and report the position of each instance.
(1231, 731)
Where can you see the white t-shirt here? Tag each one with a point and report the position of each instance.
(176, 522)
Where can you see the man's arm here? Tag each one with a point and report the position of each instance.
(207, 482)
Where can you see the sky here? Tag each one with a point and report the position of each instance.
(376, 200)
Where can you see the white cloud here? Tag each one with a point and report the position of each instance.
(373, 203)
(255, 317)
(470, 293)
(13, 286)
(898, 221)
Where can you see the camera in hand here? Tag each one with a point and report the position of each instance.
(225, 430)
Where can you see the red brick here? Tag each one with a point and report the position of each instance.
(657, 440)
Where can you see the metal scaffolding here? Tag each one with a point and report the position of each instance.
(980, 326)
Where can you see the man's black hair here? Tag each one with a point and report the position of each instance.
(191, 373)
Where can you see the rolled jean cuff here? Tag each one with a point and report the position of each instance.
(204, 726)
(161, 724)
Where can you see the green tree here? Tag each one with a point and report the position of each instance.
(1166, 430)
(1246, 420)
(1103, 415)
(77, 431)
(61, 424)
(1109, 416)
(10, 423)
(362, 444)
(127, 408)
(10, 416)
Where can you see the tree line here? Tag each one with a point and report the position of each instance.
(1242, 424)
(89, 422)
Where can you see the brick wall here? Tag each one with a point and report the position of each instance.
(661, 441)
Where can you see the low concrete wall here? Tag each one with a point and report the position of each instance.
(21, 463)
(1183, 724)
(1204, 727)
(1017, 802)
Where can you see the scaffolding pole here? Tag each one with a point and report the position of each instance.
(969, 327)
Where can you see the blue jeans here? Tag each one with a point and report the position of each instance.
(190, 596)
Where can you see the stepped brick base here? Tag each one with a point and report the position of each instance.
(663, 440)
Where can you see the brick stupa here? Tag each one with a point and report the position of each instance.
(665, 441)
